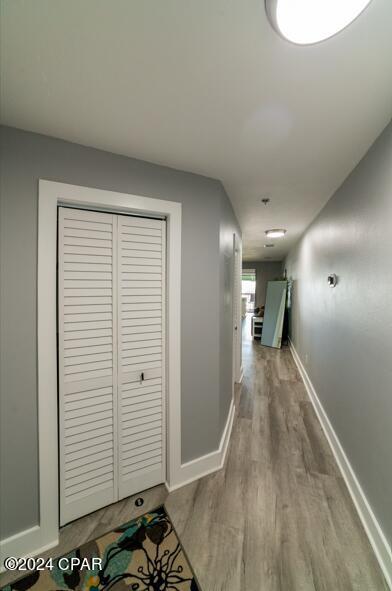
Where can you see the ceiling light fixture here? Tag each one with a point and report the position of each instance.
(309, 21)
(275, 233)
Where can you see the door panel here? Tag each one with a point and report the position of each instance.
(141, 258)
(274, 314)
(87, 362)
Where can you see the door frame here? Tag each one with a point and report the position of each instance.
(236, 302)
(51, 195)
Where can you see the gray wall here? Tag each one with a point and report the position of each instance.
(26, 157)
(343, 335)
(265, 271)
(228, 227)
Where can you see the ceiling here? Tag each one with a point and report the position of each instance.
(205, 86)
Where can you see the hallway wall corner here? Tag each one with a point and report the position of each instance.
(207, 464)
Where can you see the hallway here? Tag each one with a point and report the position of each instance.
(167, 168)
(278, 516)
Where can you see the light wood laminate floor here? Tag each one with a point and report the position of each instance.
(278, 516)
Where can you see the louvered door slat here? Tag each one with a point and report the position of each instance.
(87, 361)
(141, 273)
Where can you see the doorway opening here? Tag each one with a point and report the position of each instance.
(248, 291)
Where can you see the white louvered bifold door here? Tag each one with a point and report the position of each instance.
(87, 361)
(141, 363)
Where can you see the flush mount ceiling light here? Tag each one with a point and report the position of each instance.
(275, 233)
(310, 21)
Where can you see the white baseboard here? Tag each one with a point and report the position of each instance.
(207, 464)
(373, 530)
(23, 544)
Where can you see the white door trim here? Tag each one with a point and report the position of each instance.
(236, 289)
(52, 194)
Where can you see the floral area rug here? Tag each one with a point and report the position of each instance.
(142, 555)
